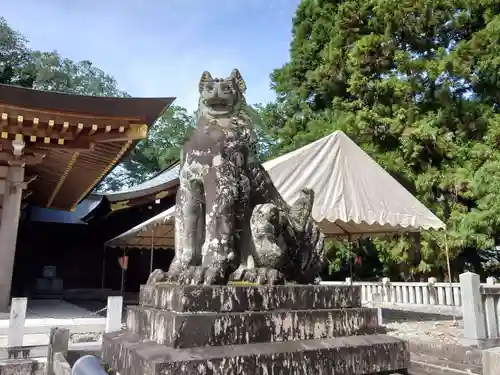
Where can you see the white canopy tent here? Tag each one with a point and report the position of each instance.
(354, 196)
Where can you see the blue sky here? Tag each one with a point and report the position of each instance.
(161, 47)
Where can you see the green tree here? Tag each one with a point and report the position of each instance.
(21, 66)
(16, 63)
(55, 73)
(165, 140)
(162, 147)
(416, 85)
(267, 142)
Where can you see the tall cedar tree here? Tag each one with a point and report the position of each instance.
(417, 85)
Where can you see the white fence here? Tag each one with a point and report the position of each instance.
(479, 302)
(413, 293)
(18, 326)
(481, 312)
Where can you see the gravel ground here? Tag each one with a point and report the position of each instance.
(444, 331)
(437, 326)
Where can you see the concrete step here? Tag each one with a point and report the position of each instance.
(187, 330)
(129, 354)
(424, 364)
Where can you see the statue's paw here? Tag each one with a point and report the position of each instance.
(199, 275)
(156, 276)
(263, 276)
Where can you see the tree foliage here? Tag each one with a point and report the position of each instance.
(19, 65)
(55, 73)
(15, 58)
(22, 66)
(163, 145)
(160, 149)
(416, 84)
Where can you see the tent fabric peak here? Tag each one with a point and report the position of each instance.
(354, 196)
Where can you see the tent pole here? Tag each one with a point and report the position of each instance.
(123, 272)
(452, 295)
(449, 265)
(350, 255)
(103, 269)
(151, 257)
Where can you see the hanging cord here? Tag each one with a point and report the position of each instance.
(87, 315)
(152, 250)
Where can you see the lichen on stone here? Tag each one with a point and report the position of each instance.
(231, 223)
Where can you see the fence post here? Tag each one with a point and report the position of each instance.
(386, 282)
(491, 280)
(58, 346)
(377, 301)
(348, 281)
(472, 308)
(490, 311)
(114, 314)
(16, 321)
(432, 290)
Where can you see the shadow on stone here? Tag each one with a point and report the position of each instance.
(397, 315)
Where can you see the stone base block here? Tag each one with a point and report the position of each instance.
(491, 361)
(185, 330)
(23, 367)
(129, 354)
(230, 298)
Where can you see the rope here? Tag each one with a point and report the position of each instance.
(92, 313)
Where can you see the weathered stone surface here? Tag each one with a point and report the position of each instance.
(129, 354)
(231, 223)
(185, 330)
(22, 367)
(229, 298)
(491, 361)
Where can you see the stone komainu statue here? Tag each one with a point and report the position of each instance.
(231, 223)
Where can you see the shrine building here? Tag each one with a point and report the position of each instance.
(55, 149)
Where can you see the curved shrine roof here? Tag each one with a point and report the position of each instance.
(77, 140)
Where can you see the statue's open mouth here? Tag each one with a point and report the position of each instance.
(218, 106)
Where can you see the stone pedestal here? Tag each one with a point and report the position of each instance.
(292, 329)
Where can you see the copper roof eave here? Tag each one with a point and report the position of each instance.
(129, 150)
(127, 153)
(141, 193)
(147, 110)
(169, 180)
(140, 111)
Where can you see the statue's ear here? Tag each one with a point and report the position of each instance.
(236, 75)
(205, 77)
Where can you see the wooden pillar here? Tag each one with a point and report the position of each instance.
(8, 229)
